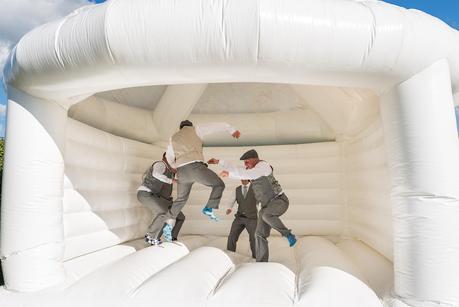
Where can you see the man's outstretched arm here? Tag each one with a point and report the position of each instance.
(211, 128)
(234, 172)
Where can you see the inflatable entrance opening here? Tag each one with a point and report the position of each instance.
(351, 102)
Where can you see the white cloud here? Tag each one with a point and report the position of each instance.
(20, 16)
(5, 48)
(2, 110)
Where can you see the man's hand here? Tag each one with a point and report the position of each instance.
(174, 181)
(236, 134)
(224, 174)
(213, 161)
(228, 211)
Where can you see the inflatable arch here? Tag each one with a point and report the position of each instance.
(351, 101)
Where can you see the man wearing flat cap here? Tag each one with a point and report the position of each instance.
(185, 154)
(268, 192)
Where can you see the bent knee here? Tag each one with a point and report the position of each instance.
(260, 234)
(266, 215)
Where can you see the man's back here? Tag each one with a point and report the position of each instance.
(187, 146)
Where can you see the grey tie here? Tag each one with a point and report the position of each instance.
(244, 190)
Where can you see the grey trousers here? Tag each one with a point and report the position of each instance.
(189, 174)
(239, 224)
(159, 207)
(268, 217)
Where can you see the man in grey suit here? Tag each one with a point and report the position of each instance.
(268, 192)
(245, 217)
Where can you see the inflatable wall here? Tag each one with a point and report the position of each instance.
(352, 103)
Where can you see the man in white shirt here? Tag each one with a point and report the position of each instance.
(245, 217)
(155, 194)
(185, 154)
(268, 192)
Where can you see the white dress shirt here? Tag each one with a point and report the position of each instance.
(158, 172)
(261, 169)
(201, 130)
(232, 200)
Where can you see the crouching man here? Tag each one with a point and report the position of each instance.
(155, 194)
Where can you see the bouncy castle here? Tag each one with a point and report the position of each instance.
(350, 101)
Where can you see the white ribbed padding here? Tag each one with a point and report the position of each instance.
(328, 277)
(310, 175)
(256, 284)
(197, 275)
(102, 174)
(123, 277)
(369, 210)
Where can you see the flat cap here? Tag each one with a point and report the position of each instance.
(251, 154)
(186, 123)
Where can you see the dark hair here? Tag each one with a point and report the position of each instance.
(186, 123)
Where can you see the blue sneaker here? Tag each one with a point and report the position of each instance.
(291, 239)
(208, 211)
(167, 232)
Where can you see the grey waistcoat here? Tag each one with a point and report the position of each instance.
(247, 207)
(156, 186)
(265, 188)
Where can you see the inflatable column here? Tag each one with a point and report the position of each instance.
(32, 239)
(423, 154)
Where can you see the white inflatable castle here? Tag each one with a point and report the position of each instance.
(351, 101)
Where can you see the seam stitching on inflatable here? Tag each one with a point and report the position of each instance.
(258, 32)
(373, 33)
(107, 43)
(223, 29)
(56, 40)
(221, 280)
(296, 291)
(17, 253)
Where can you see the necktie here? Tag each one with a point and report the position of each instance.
(244, 190)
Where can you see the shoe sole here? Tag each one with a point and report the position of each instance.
(211, 217)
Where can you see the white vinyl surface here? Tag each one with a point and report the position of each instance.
(352, 102)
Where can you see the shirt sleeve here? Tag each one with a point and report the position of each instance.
(158, 173)
(232, 201)
(211, 128)
(261, 169)
(170, 155)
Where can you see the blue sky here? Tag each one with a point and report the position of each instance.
(447, 10)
